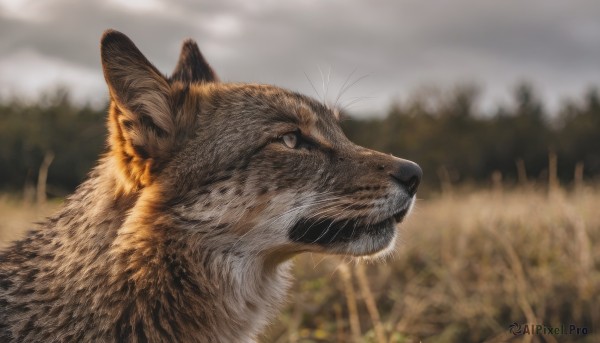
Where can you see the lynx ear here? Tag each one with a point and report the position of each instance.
(192, 67)
(140, 119)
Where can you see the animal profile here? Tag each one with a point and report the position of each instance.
(185, 229)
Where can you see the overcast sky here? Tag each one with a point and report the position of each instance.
(391, 48)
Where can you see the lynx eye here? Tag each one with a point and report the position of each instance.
(290, 140)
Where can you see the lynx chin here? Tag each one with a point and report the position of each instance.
(184, 230)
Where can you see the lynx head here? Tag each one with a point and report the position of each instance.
(253, 167)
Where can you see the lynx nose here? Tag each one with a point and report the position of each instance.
(408, 174)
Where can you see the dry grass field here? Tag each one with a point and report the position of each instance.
(18, 216)
(469, 264)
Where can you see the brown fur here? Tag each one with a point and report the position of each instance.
(184, 230)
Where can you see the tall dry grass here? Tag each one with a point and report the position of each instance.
(468, 265)
(17, 216)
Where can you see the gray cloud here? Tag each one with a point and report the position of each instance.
(398, 44)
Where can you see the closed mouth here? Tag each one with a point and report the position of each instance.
(329, 231)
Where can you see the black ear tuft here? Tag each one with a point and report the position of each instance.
(192, 67)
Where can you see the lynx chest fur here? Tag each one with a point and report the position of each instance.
(184, 230)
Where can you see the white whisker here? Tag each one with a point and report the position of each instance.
(312, 85)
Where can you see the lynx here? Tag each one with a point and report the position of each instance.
(185, 229)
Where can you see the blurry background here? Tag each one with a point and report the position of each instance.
(497, 101)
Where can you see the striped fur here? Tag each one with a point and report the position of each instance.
(184, 230)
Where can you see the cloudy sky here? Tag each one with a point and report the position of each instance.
(390, 48)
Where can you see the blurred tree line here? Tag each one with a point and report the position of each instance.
(446, 133)
(75, 134)
(454, 141)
